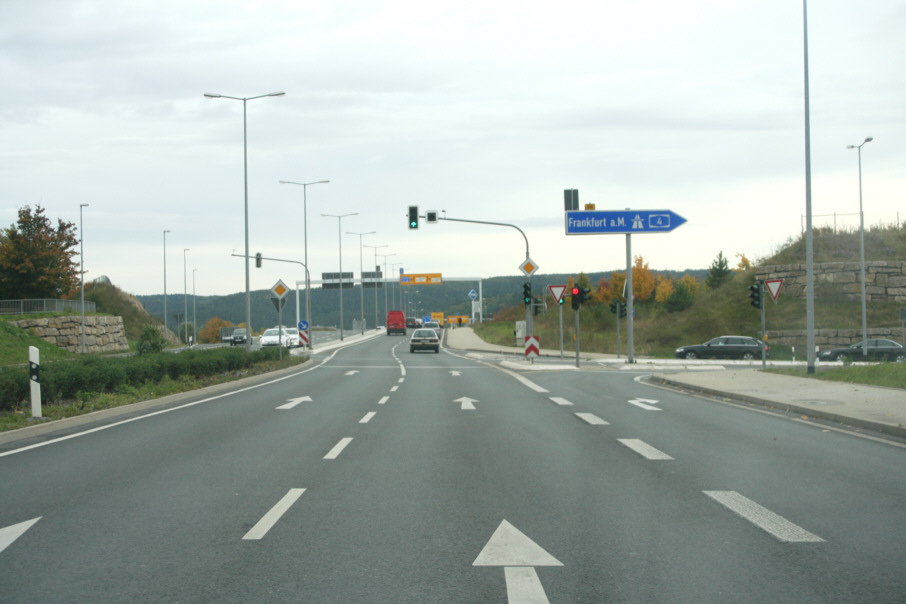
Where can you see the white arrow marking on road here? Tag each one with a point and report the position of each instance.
(353, 372)
(560, 400)
(13, 532)
(510, 548)
(466, 403)
(454, 373)
(292, 402)
(640, 402)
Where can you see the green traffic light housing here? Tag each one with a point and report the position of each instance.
(755, 294)
(413, 217)
(527, 293)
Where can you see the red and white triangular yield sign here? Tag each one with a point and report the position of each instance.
(557, 291)
(532, 346)
(773, 286)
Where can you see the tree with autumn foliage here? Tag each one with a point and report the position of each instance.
(210, 333)
(36, 257)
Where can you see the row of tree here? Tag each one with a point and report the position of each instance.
(649, 288)
(36, 257)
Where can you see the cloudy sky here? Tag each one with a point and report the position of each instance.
(482, 110)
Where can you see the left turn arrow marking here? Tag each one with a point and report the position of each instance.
(11, 533)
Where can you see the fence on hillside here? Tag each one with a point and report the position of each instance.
(24, 307)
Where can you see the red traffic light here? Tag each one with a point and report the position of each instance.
(575, 291)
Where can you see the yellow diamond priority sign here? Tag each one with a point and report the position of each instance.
(528, 267)
(280, 289)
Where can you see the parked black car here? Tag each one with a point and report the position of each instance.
(878, 350)
(725, 347)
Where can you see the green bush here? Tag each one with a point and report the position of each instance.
(151, 340)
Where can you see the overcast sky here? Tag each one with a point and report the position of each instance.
(482, 110)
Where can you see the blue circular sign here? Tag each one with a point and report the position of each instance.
(303, 325)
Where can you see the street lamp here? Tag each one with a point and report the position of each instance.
(376, 247)
(304, 186)
(340, 239)
(165, 283)
(82, 270)
(245, 165)
(385, 256)
(393, 266)
(361, 269)
(194, 323)
(862, 249)
(185, 294)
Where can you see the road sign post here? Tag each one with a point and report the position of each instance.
(557, 292)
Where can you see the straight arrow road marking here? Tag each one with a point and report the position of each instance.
(644, 449)
(641, 402)
(560, 400)
(13, 532)
(454, 373)
(292, 402)
(467, 403)
(270, 519)
(592, 419)
(510, 548)
(763, 518)
(338, 448)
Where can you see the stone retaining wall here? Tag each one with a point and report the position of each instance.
(884, 280)
(832, 338)
(102, 333)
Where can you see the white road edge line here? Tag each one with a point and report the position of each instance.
(270, 519)
(763, 518)
(338, 448)
(592, 419)
(644, 449)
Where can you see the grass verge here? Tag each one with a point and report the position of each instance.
(887, 375)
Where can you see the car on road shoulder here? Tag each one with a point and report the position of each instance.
(725, 347)
(424, 339)
(878, 350)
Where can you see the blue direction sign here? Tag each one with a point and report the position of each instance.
(609, 222)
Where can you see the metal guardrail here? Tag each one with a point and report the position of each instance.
(24, 307)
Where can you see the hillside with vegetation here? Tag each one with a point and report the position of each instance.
(671, 313)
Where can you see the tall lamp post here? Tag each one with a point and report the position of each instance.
(862, 248)
(194, 323)
(82, 270)
(340, 239)
(165, 283)
(376, 247)
(185, 293)
(361, 269)
(305, 186)
(245, 166)
(385, 256)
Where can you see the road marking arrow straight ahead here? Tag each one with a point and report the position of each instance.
(292, 402)
(519, 555)
(13, 532)
(466, 403)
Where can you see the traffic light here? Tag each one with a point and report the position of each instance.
(527, 293)
(755, 294)
(575, 294)
(584, 294)
(413, 217)
(614, 306)
(622, 310)
(258, 260)
(537, 306)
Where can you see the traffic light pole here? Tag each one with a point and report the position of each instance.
(630, 353)
(764, 343)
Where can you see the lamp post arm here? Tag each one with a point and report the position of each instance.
(494, 224)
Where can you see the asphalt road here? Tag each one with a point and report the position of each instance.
(377, 475)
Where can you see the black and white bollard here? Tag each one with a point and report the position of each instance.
(34, 366)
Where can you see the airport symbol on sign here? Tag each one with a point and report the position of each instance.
(594, 222)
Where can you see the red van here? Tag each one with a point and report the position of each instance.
(396, 322)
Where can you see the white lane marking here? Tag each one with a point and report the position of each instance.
(763, 518)
(292, 402)
(367, 417)
(394, 388)
(560, 400)
(353, 372)
(641, 402)
(270, 519)
(13, 532)
(401, 380)
(592, 419)
(525, 381)
(644, 449)
(383, 400)
(338, 448)
(454, 373)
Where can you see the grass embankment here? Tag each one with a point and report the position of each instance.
(888, 375)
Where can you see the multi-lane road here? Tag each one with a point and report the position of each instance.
(377, 475)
